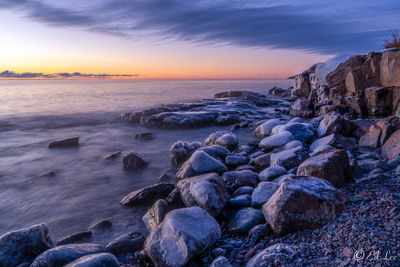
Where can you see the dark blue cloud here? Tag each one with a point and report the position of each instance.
(30, 75)
(317, 26)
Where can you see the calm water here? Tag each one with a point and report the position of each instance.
(85, 188)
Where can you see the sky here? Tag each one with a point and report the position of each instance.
(187, 38)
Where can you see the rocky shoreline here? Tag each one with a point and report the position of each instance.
(318, 185)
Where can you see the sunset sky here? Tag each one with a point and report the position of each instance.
(186, 38)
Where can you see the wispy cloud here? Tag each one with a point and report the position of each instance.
(31, 75)
(317, 26)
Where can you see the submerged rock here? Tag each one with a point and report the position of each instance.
(206, 191)
(126, 243)
(95, 260)
(62, 255)
(80, 237)
(303, 203)
(133, 161)
(147, 194)
(184, 234)
(24, 245)
(199, 163)
(111, 156)
(65, 143)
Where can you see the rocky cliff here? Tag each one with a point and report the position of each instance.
(366, 85)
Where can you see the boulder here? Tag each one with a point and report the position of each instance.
(302, 86)
(293, 144)
(335, 140)
(206, 191)
(24, 245)
(288, 158)
(147, 194)
(378, 101)
(216, 151)
(81, 237)
(95, 260)
(271, 172)
(276, 255)
(332, 165)
(221, 261)
(277, 140)
(245, 219)
(301, 108)
(156, 214)
(133, 161)
(263, 161)
(223, 138)
(65, 143)
(303, 203)
(244, 190)
(199, 163)
(184, 234)
(371, 139)
(390, 68)
(126, 243)
(320, 148)
(235, 160)
(181, 151)
(62, 255)
(264, 129)
(240, 201)
(335, 123)
(262, 193)
(391, 148)
(303, 132)
(238, 179)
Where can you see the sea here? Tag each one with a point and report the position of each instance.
(87, 189)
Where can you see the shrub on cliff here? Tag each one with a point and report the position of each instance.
(394, 42)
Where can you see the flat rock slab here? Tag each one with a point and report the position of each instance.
(147, 194)
(65, 143)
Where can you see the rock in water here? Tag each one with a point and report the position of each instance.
(184, 234)
(61, 255)
(276, 255)
(24, 245)
(147, 194)
(206, 191)
(133, 161)
(199, 163)
(303, 203)
(126, 243)
(75, 238)
(65, 143)
(277, 140)
(144, 136)
(332, 165)
(264, 129)
(245, 219)
(95, 260)
(223, 138)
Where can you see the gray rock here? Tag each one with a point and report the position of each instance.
(288, 158)
(81, 237)
(235, 160)
(335, 123)
(133, 161)
(292, 144)
(271, 173)
(144, 136)
(216, 151)
(174, 242)
(303, 132)
(277, 140)
(101, 225)
(24, 245)
(276, 255)
(221, 261)
(244, 190)
(240, 201)
(238, 179)
(147, 194)
(206, 191)
(199, 163)
(263, 161)
(65, 143)
(181, 151)
(264, 129)
(303, 203)
(111, 156)
(222, 138)
(126, 243)
(156, 214)
(95, 260)
(245, 219)
(335, 140)
(321, 148)
(262, 193)
(61, 255)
